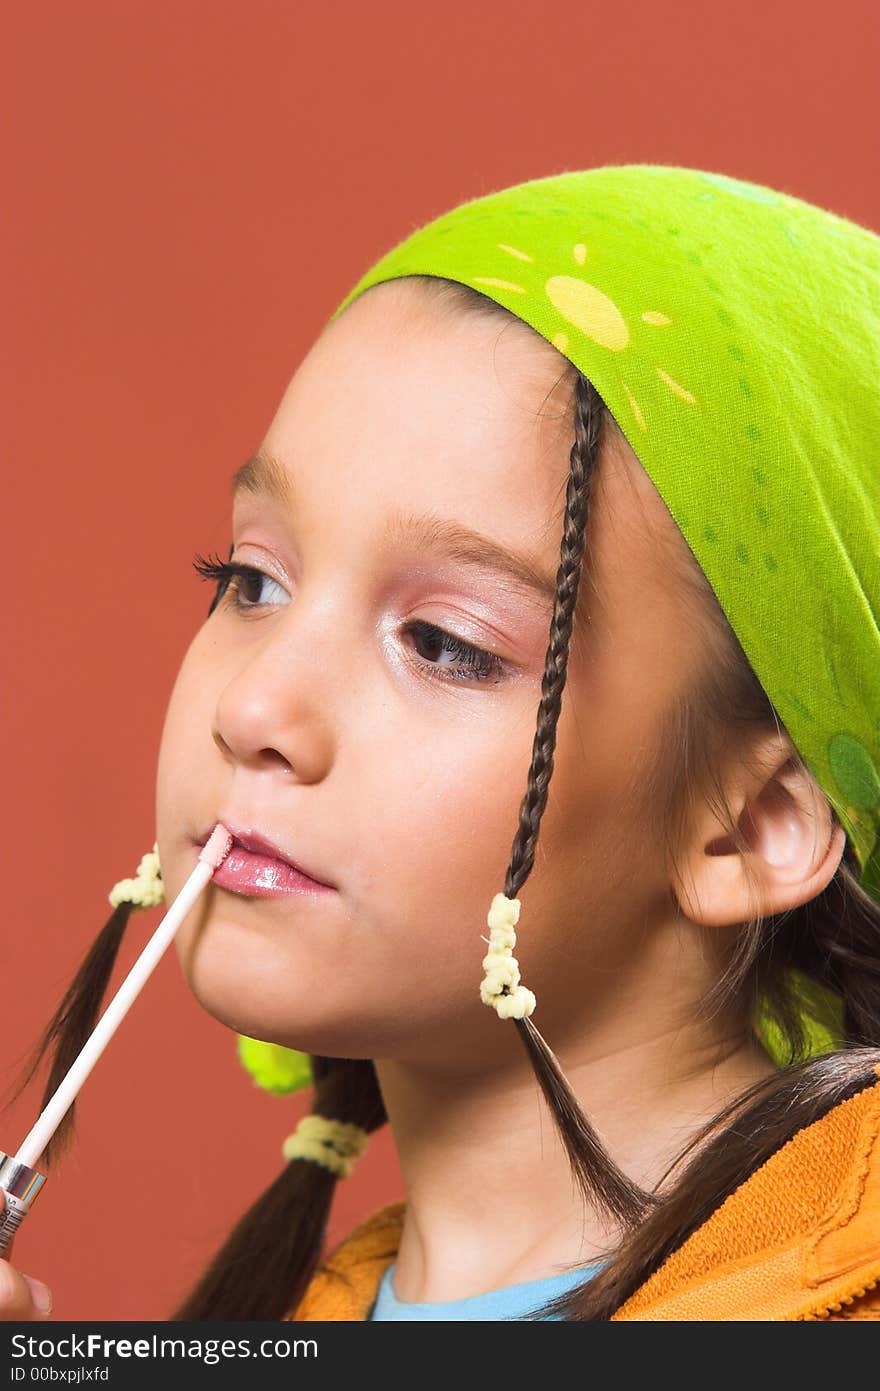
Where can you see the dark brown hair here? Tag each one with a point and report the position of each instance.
(266, 1263)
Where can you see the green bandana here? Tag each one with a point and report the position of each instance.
(734, 333)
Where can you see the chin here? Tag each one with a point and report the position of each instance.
(244, 995)
(222, 1000)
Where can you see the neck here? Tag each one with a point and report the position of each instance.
(490, 1196)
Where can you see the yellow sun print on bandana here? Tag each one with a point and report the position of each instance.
(590, 311)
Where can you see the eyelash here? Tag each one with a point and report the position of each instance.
(227, 575)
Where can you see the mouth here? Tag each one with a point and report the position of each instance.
(260, 867)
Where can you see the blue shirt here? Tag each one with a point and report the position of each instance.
(508, 1302)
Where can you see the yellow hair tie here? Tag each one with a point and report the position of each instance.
(500, 986)
(334, 1144)
(146, 889)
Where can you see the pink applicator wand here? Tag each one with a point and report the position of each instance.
(19, 1179)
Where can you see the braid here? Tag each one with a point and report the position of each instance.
(598, 1177)
(588, 429)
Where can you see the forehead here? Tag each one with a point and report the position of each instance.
(474, 357)
(400, 398)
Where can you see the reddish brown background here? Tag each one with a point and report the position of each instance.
(189, 190)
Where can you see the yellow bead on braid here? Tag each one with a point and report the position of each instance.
(333, 1144)
(146, 890)
(500, 986)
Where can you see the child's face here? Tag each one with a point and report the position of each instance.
(328, 721)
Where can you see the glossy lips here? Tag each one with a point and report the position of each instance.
(253, 867)
(261, 876)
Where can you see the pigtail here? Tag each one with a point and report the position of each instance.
(265, 1265)
(746, 1134)
(75, 1018)
(72, 1023)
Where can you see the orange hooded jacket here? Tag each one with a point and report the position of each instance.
(800, 1239)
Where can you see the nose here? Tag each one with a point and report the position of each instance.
(273, 715)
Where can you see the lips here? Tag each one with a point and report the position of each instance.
(262, 845)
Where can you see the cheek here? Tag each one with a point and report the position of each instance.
(433, 826)
(599, 859)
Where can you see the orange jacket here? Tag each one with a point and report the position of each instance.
(800, 1239)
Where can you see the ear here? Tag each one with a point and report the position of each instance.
(793, 843)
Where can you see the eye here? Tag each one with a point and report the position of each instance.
(237, 580)
(467, 663)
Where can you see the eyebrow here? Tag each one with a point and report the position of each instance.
(263, 474)
(450, 539)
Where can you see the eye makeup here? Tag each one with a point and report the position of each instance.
(468, 662)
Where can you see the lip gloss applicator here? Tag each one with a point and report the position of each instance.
(19, 1178)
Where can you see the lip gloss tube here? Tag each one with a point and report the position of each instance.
(20, 1184)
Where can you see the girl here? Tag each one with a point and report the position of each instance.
(676, 374)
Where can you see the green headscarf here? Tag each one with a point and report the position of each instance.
(734, 333)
